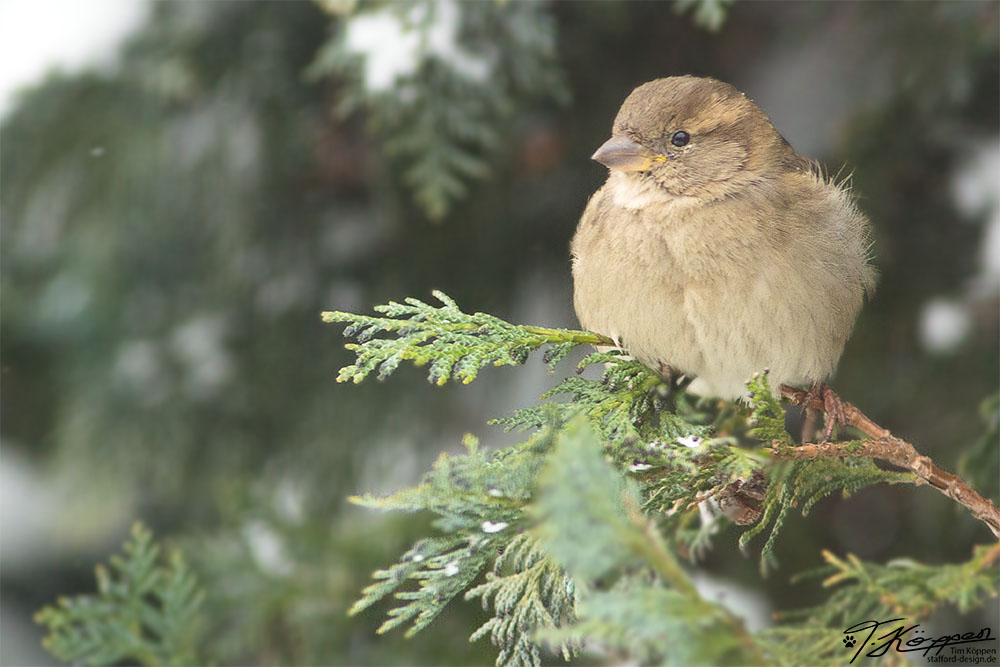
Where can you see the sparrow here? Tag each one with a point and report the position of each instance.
(715, 250)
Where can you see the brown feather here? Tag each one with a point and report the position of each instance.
(731, 255)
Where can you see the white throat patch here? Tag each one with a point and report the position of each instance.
(635, 193)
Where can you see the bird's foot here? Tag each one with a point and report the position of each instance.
(833, 409)
(667, 373)
(674, 381)
(809, 424)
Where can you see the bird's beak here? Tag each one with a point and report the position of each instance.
(623, 154)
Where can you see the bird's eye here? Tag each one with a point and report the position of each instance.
(680, 138)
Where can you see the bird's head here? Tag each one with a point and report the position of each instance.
(695, 137)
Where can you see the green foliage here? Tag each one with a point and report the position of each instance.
(478, 499)
(634, 599)
(439, 111)
(529, 593)
(980, 465)
(708, 14)
(900, 588)
(576, 527)
(528, 509)
(168, 225)
(145, 611)
(583, 500)
(456, 344)
(802, 483)
(652, 625)
(767, 416)
(906, 586)
(626, 405)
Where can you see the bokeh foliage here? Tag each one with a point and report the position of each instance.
(173, 227)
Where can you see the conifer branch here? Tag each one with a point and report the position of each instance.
(660, 558)
(860, 589)
(145, 611)
(883, 445)
(442, 120)
(457, 344)
(620, 464)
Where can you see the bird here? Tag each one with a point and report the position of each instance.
(715, 251)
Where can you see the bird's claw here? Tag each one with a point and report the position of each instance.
(833, 408)
(667, 373)
(673, 381)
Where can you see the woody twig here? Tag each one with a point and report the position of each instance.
(883, 445)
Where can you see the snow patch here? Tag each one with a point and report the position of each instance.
(395, 44)
(976, 192)
(494, 527)
(944, 325)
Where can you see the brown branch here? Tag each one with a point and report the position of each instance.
(990, 556)
(883, 445)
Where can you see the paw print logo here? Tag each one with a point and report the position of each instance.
(849, 641)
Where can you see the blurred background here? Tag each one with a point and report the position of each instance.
(185, 186)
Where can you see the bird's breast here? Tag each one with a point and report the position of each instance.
(631, 270)
(711, 291)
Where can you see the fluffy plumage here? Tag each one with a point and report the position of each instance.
(723, 256)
